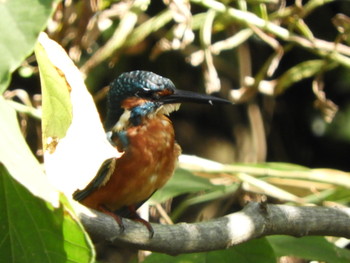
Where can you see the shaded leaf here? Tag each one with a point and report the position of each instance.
(215, 192)
(32, 230)
(310, 248)
(184, 258)
(257, 250)
(182, 182)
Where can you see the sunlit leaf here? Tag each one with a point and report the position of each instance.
(33, 229)
(277, 170)
(340, 195)
(21, 24)
(303, 70)
(302, 27)
(56, 105)
(268, 189)
(78, 144)
(17, 157)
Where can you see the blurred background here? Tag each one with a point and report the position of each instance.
(284, 63)
(282, 115)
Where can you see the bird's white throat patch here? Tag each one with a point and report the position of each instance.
(122, 122)
(168, 108)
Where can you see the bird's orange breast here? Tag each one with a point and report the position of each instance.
(146, 165)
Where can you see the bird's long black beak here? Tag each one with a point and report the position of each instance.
(180, 96)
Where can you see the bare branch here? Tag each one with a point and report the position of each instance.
(255, 220)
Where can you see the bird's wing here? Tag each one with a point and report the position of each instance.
(101, 178)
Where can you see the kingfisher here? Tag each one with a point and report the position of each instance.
(137, 124)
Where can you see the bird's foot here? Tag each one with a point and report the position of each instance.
(117, 218)
(135, 217)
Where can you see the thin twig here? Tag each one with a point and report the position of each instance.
(337, 52)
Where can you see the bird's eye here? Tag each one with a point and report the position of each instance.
(155, 96)
(148, 94)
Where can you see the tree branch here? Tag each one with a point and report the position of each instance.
(255, 220)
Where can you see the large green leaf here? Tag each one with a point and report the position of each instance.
(258, 250)
(21, 23)
(311, 248)
(75, 144)
(33, 230)
(56, 106)
(17, 157)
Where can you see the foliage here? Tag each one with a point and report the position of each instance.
(101, 37)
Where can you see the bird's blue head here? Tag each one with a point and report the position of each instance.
(138, 94)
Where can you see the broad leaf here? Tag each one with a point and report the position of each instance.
(32, 230)
(310, 248)
(17, 157)
(73, 137)
(21, 23)
(56, 106)
(257, 250)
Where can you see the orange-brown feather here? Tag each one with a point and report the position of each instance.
(147, 164)
(132, 102)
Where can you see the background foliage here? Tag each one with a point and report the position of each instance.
(284, 63)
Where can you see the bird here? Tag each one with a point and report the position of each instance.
(137, 124)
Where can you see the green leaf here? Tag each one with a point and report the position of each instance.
(299, 72)
(310, 248)
(257, 250)
(340, 195)
(32, 230)
(216, 192)
(56, 106)
(17, 157)
(182, 182)
(74, 140)
(21, 23)
(184, 258)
